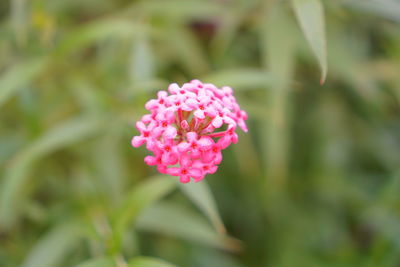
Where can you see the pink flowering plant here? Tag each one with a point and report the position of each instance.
(187, 129)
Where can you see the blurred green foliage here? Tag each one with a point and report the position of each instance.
(315, 182)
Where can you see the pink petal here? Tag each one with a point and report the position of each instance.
(209, 129)
(197, 83)
(170, 132)
(174, 171)
(151, 145)
(210, 86)
(195, 153)
(227, 102)
(185, 107)
(196, 173)
(205, 142)
(173, 88)
(234, 138)
(189, 93)
(211, 112)
(217, 122)
(169, 142)
(207, 157)
(212, 169)
(184, 179)
(162, 94)
(203, 97)
(150, 160)
(151, 105)
(162, 168)
(141, 126)
(170, 158)
(227, 90)
(244, 114)
(199, 114)
(197, 164)
(160, 116)
(146, 118)
(192, 103)
(137, 141)
(191, 136)
(217, 158)
(225, 141)
(229, 121)
(242, 125)
(169, 115)
(185, 161)
(187, 86)
(196, 180)
(153, 124)
(157, 132)
(183, 147)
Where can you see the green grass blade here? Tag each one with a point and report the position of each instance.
(99, 262)
(245, 78)
(200, 194)
(174, 220)
(142, 67)
(187, 51)
(97, 31)
(53, 247)
(310, 14)
(141, 197)
(62, 135)
(148, 262)
(389, 9)
(19, 75)
(179, 9)
(279, 44)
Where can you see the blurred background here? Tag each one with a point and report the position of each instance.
(315, 181)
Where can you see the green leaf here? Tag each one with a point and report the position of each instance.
(141, 197)
(148, 262)
(240, 78)
(279, 45)
(187, 51)
(16, 175)
(20, 20)
(310, 14)
(99, 262)
(18, 76)
(201, 195)
(54, 246)
(142, 62)
(112, 175)
(389, 9)
(98, 31)
(231, 20)
(179, 9)
(177, 221)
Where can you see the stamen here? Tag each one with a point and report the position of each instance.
(217, 134)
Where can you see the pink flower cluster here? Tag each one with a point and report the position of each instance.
(180, 130)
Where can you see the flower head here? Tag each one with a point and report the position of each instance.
(187, 129)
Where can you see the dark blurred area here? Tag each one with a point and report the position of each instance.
(315, 181)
